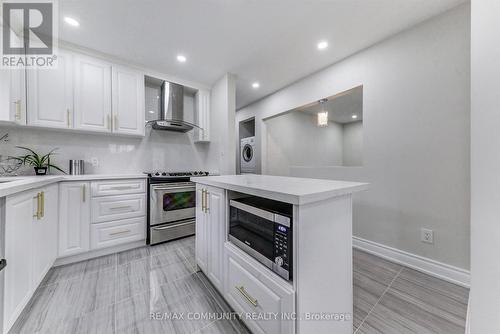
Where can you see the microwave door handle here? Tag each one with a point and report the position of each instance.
(269, 216)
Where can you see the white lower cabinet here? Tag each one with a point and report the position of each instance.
(210, 233)
(201, 240)
(74, 218)
(248, 287)
(252, 291)
(31, 227)
(45, 234)
(100, 214)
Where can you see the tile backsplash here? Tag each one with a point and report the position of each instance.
(157, 150)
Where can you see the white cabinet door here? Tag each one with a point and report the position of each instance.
(201, 238)
(74, 218)
(50, 94)
(92, 80)
(19, 211)
(12, 96)
(202, 116)
(128, 101)
(12, 92)
(216, 227)
(45, 233)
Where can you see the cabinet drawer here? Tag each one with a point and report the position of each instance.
(114, 233)
(252, 291)
(118, 187)
(118, 207)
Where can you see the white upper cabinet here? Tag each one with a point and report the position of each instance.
(12, 94)
(50, 94)
(128, 101)
(202, 116)
(92, 84)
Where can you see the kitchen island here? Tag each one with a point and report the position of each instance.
(308, 291)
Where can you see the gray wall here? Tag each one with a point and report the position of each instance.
(294, 139)
(416, 135)
(485, 167)
(352, 144)
(222, 146)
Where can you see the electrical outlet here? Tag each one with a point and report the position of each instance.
(94, 161)
(427, 236)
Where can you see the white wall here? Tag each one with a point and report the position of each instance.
(222, 147)
(159, 150)
(416, 135)
(485, 167)
(294, 139)
(352, 144)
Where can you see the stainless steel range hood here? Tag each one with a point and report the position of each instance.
(171, 115)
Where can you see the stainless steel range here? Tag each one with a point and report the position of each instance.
(171, 206)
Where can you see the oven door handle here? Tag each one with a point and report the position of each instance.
(177, 189)
(269, 216)
(172, 226)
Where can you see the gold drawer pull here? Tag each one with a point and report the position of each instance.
(120, 232)
(245, 294)
(120, 207)
(42, 201)
(121, 188)
(38, 213)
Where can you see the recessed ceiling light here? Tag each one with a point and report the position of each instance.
(322, 45)
(71, 21)
(354, 116)
(181, 58)
(256, 85)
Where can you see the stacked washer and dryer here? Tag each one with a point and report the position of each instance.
(247, 155)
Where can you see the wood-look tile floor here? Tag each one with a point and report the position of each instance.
(121, 293)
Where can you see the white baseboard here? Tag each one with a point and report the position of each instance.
(434, 268)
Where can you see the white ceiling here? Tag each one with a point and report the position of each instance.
(273, 42)
(340, 107)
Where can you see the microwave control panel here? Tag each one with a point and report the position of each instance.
(283, 248)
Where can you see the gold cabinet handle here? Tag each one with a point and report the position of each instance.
(42, 204)
(120, 232)
(121, 188)
(207, 201)
(247, 296)
(37, 215)
(202, 200)
(84, 193)
(121, 207)
(17, 115)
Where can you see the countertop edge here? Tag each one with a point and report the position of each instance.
(31, 182)
(15, 187)
(284, 197)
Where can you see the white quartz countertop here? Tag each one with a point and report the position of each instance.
(10, 185)
(286, 189)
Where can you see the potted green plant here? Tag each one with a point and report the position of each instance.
(40, 162)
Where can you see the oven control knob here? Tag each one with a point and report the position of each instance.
(157, 174)
(279, 261)
(164, 174)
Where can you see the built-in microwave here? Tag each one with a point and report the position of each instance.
(263, 228)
